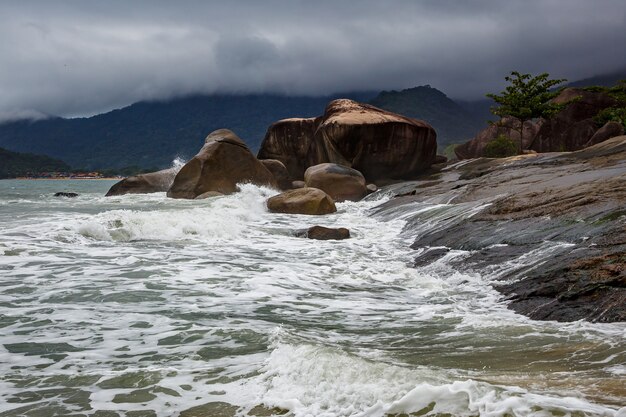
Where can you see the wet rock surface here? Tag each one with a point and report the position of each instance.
(65, 194)
(339, 182)
(223, 162)
(305, 200)
(279, 171)
(548, 229)
(153, 182)
(324, 233)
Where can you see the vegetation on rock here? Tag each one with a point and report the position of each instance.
(500, 147)
(527, 98)
(615, 113)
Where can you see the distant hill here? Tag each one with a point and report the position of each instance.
(606, 80)
(152, 134)
(453, 123)
(15, 164)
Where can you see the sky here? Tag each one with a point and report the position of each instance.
(79, 58)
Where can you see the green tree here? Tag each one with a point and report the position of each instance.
(526, 98)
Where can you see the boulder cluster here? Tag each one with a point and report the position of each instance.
(380, 144)
(316, 162)
(573, 128)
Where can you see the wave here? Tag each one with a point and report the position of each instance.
(320, 381)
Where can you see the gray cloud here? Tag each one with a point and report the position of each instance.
(82, 57)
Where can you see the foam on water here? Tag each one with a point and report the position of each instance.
(147, 303)
(320, 381)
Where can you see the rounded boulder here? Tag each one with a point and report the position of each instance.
(223, 162)
(153, 182)
(306, 200)
(341, 183)
(279, 171)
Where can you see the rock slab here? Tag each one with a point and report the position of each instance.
(563, 214)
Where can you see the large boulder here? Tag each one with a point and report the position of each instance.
(154, 182)
(507, 126)
(288, 141)
(279, 171)
(339, 182)
(223, 162)
(380, 144)
(573, 127)
(302, 201)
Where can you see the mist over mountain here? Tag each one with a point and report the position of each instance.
(152, 134)
(604, 80)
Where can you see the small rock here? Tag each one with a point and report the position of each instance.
(64, 194)
(371, 188)
(279, 171)
(298, 184)
(441, 159)
(302, 201)
(324, 233)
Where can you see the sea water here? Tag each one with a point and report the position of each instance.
(140, 305)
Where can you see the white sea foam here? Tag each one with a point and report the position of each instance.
(320, 381)
(189, 295)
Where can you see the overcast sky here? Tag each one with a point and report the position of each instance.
(82, 57)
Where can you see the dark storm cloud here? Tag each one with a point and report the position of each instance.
(80, 57)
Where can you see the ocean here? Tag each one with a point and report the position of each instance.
(140, 305)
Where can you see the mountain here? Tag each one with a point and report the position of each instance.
(14, 164)
(605, 80)
(453, 123)
(152, 134)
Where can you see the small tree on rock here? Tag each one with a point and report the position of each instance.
(526, 98)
